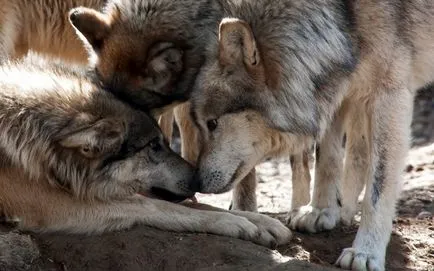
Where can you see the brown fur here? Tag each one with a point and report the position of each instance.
(41, 26)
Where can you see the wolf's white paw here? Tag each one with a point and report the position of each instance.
(233, 226)
(352, 259)
(347, 215)
(310, 219)
(272, 232)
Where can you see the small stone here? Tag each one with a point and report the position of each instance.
(409, 168)
(424, 215)
(419, 169)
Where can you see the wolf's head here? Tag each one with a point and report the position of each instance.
(117, 156)
(142, 52)
(265, 92)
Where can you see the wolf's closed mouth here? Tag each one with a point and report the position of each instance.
(164, 194)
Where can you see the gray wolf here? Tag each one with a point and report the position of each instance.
(78, 160)
(140, 54)
(282, 72)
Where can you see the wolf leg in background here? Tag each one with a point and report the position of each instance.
(322, 213)
(166, 124)
(43, 27)
(8, 31)
(191, 141)
(300, 179)
(244, 194)
(356, 168)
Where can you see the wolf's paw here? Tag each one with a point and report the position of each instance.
(353, 259)
(234, 226)
(310, 219)
(272, 232)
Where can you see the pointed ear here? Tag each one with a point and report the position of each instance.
(164, 65)
(237, 43)
(90, 138)
(91, 25)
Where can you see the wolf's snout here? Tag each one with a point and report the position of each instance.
(195, 183)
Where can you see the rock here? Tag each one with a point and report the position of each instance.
(424, 215)
(409, 168)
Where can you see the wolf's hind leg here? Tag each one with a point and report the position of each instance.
(9, 31)
(356, 162)
(300, 179)
(244, 194)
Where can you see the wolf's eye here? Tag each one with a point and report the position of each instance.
(155, 144)
(212, 124)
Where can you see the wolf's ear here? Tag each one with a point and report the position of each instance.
(91, 138)
(93, 25)
(237, 43)
(164, 65)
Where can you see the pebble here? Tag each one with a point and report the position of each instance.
(424, 215)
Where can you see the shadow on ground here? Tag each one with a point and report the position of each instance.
(141, 248)
(411, 246)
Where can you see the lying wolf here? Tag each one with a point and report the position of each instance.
(280, 70)
(76, 159)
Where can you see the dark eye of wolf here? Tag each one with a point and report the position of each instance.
(155, 144)
(212, 125)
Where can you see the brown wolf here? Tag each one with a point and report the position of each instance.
(282, 70)
(76, 159)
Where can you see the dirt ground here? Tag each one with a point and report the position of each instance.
(142, 248)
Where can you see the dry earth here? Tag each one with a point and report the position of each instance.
(143, 248)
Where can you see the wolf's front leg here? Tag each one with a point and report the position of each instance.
(389, 118)
(323, 211)
(58, 211)
(244, 194)
(266, 224)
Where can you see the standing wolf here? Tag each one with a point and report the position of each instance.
(281, 70)
(76, 159)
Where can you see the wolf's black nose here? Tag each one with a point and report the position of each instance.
(196, 183)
